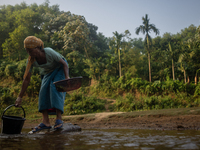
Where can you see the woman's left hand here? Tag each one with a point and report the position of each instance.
(18, 102)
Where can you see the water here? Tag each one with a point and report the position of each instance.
(104, 139)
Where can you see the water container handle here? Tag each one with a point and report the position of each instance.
(14, 105)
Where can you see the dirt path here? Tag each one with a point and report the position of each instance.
(111, 120)
(101, 116)
(166, 119)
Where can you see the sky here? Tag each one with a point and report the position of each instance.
(119, 15)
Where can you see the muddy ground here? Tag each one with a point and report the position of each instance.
(166, 119)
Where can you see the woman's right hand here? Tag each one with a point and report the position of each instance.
(18, 102)
(25, 84)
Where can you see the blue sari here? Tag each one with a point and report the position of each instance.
(49, 97)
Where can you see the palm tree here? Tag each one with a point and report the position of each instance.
(172, 56)
(118, 41)
(183, 65)
(146, 29)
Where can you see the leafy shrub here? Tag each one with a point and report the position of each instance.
(2, 68)
(77, 103)
(6, 98)
(139, 84)
(34, 86)
(178, 86)
(16, 70)
(126, 104)
(21, 67)
(197, 90)
(11, 69)
(130, 103)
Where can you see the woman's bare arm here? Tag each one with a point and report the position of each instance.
(25, 84)
(65, 68)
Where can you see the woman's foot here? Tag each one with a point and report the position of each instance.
(58, 124)
(41, 126)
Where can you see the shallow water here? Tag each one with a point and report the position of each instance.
(103, 139)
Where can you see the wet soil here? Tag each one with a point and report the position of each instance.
(168, 119)
(146, 122)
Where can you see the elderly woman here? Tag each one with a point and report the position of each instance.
(53, 67)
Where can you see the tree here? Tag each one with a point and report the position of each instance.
(171, 51)
(197, 46)
(118, 43)
(76, 36)
(146, 29)
(53, 23)
(118, 40)
(6, 24)
(183, 65)
(14, 45)
(102, 44)
(133, 62)
(191, 51)
(25, 22)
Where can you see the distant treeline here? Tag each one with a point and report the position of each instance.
(90, 53)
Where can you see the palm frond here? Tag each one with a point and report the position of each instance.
(141, 28)
(153, 27)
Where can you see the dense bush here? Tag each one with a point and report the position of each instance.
(19, 73)
(6, 98)
(156, 95)
(10, 70)
(130, 103)
(77, 103)
(34, 86)
(15, 69)
(2, 68)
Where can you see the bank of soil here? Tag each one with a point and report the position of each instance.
(166, 119)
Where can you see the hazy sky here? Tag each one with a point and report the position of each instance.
(119, 15)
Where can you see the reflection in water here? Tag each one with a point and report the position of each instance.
(103, 139)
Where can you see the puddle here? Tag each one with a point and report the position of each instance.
(104, 139)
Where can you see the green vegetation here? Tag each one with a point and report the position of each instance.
(112, 67)
(77, 103)
(136, 94)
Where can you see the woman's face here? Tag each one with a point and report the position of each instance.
(33, 52)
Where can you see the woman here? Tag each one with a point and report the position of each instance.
(53, 67)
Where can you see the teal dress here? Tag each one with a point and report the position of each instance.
(52, 71)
